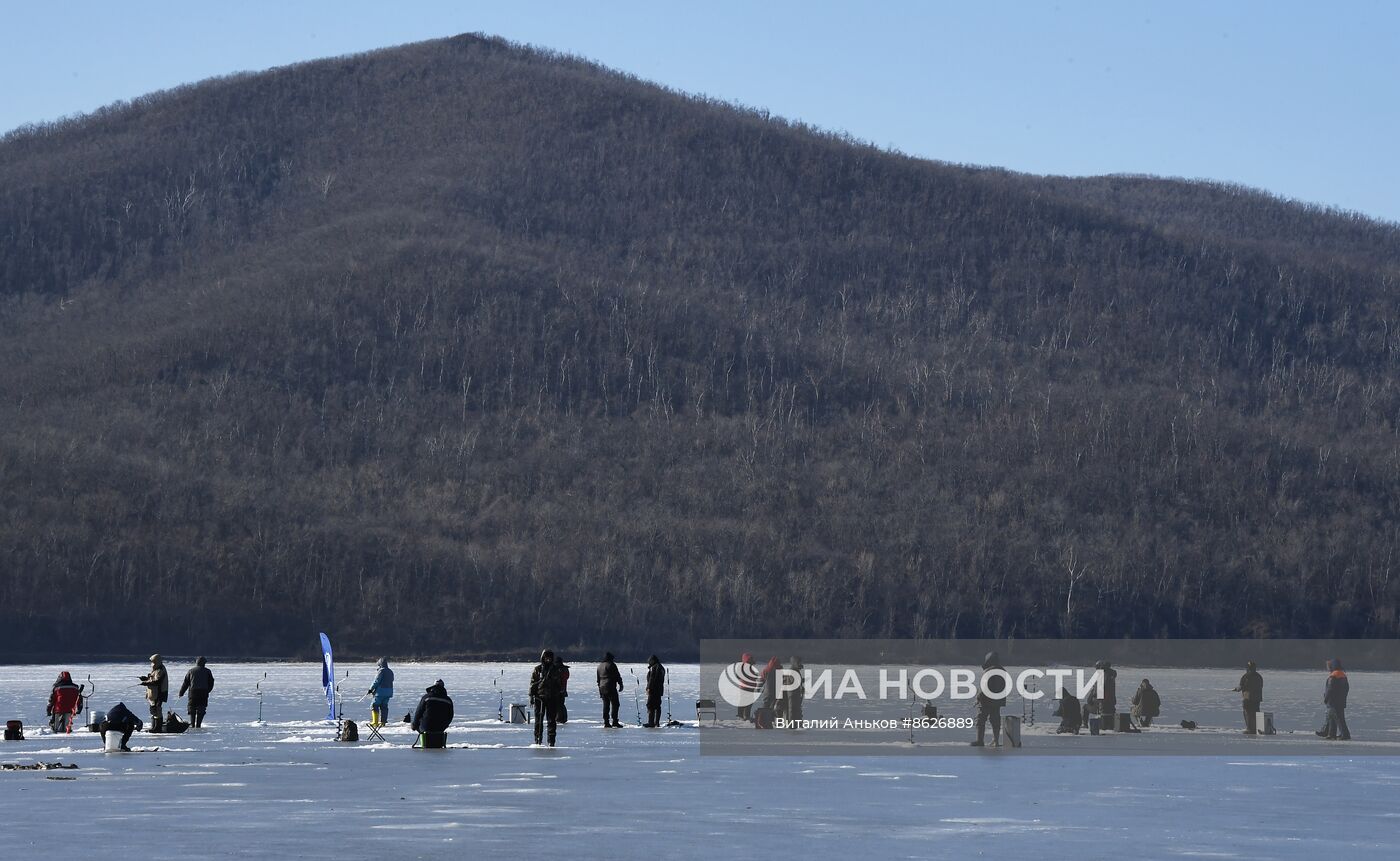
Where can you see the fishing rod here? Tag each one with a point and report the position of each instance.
(635, 702)
(501, 697)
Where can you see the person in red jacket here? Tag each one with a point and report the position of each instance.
(65, 701)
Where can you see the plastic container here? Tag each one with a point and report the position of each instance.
(113, 741)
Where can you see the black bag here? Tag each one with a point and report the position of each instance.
(14, 730)
(173, 724)
(348, 732)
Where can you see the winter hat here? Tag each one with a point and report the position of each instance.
(155, 659)
(1336, 663)
(383, 662)
(547, 653)
(607, 656)
(653, 661)
(1250, 665)
(199, 662)
(992, 658)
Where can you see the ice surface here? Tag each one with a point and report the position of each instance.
(285, 788)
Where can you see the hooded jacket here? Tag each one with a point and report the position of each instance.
(546, 682)
(66, 697)
(157, 682)
(996, 684)
(656, 679)
(198, 680)
(1337, 688)
(1252, 689)
(1146, 701)
(434, 712)
(383, 686)
(609, 678)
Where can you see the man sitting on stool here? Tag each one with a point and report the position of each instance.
(433, 716)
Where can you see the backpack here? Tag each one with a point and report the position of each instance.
(348, 732)
(14, 730)
(174, 724)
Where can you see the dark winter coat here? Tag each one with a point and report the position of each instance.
(546, 683)
(997, 685)
(1335, 693)
(609, 679)
(1147, 702)
(656, 684)
(434, 712)
(197, 681)
(1109, 703)
(157, 683)
(1252, 689)
(120, 718)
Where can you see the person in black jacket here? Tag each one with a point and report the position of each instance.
(434, 713)
(1334, 696)
(990, 702)
(609, 685)
(1251, 691)
(120, 719)
(656, 689)
(198, 683)
(546, 695)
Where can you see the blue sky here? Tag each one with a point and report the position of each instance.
(1301, 99)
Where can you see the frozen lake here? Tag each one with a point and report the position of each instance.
(285, 788)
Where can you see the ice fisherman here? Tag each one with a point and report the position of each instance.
(199, 681)
(120, 719)
(157, 684)
(65, 701)
(746, 711)
(656, 689)
(1108, 703)
(1334, 696)
(382, 689)
(793, 698)
(1251, 691)
(609, 686)
(1147, 703)
(1068, 708)
(990, 701)
(546, 695)
(434, 713)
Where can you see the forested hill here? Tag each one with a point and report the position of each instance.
(465, 347)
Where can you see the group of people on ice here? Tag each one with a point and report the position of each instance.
(549, 689)
(67, 702)
(1147, 702)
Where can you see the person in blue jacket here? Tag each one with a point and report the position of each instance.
(382, 690)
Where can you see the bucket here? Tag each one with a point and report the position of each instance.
(95, 719)
(113, 741)
(518, 713)
(431, 740)
(1011, 725)
(1269, 724)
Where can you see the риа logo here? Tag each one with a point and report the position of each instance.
(739, 684)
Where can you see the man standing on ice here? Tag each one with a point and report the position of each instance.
(609, 685)
(382, 690)
(65, 701)
(198, 683)
(990, 701)
(1251, 691)
(546, 695)
(656, 689)
(1334, 696)
(157, 684)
